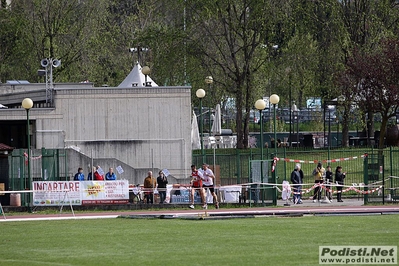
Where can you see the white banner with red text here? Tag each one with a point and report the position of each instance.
(55, 193)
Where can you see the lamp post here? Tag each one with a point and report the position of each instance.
(27, 104)
(274, 99)
(261, 105)
(209, 81)
(200, 93)
(146, 71)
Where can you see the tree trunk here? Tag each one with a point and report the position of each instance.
(370, 127)
(239, 119)
(383, 130)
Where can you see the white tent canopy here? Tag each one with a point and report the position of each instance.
(136, 79)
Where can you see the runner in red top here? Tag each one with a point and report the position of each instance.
(196, 185)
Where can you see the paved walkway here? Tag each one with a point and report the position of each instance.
(352, 206)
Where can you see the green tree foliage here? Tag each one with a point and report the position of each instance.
(374, 79)
(80, 33)
(230, 38)
(251, 48)
(366, 23)
(10, 28)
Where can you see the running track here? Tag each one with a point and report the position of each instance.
(234, 212)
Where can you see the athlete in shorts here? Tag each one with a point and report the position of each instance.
(207, 182)
(196, 185)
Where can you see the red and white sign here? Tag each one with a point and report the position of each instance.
(55, 193)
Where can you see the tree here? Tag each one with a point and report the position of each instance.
(9, 26)
(366, 23)
(80, 33)
(232, 39)
(374, 80)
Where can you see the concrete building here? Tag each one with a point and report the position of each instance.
(135, 126)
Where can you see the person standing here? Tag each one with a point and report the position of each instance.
(329, 181)
(150, 183)
(90, 175)
(196, 185)
(79, 176)
(97, 175)
(318, 173)
(162, 181)
(339, 179)
(207, 182)
(110, 175)
(297, 180)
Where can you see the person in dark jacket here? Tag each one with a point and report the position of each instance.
(162, 181)
(90, 175)
(329, 181)
(339, 179)
(297, 180)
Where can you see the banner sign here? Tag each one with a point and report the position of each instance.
(55, 193)
(105, 192)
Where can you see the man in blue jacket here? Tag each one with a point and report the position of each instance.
(110, 175)
(79, 176)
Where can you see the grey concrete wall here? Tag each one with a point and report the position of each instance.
(133, 175)
(145, 128)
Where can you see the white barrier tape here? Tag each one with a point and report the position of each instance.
(308, 184)
(317, 161)
(348, 188)
(32, 158)
(271, 185)
(351, 188)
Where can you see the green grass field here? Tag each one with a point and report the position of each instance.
(251, 241)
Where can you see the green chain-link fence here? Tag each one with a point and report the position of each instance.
(234, 164)
(46, 165)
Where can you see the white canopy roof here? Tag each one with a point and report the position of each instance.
(136, 79)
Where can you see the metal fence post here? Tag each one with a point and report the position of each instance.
(238, 167)
(390, 161)
(365, 177)
(273, 181)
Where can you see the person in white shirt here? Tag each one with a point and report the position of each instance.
(207, 182)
